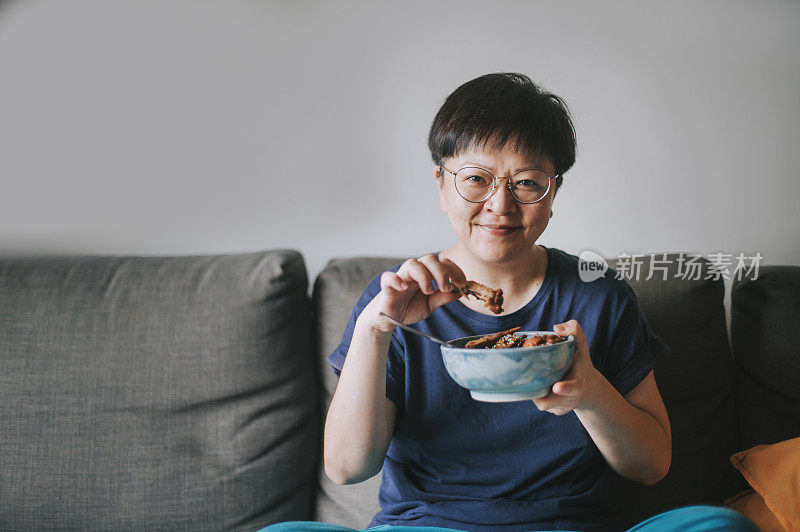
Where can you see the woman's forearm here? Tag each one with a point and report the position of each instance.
(632, 441)
(357, 431)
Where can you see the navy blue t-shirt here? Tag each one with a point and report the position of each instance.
(459, 463)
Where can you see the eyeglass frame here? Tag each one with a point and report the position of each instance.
(494, 184)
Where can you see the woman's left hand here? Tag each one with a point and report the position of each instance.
(579, 384)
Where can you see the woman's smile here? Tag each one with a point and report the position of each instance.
(499, 229)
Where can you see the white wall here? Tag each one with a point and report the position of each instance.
(183, 127)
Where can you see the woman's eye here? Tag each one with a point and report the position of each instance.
(476, 179)
(530, 184)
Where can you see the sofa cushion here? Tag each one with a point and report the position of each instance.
(696, 383)
(336, 291)
(155, 393)
(765, 339)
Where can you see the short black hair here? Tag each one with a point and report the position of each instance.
(504, 107)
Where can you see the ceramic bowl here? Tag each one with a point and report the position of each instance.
(512, 374)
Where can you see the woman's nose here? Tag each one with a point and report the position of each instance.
(501, 201)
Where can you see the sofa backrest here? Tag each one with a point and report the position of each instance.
(155, 393)
(684, 305)
(695, 380)
(765, 336)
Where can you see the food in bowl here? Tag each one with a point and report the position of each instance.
(500, 374)
(489, 340)
(493, 299)
(507, 339)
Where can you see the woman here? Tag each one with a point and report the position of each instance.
(500, 147)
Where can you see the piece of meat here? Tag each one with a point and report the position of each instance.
(507, 341)
(547, 339)
(491, 298)
(533, 341)
(554, 339)
(489, 339)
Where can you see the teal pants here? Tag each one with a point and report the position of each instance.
(687, 519)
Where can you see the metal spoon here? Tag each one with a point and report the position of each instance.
(409, 329)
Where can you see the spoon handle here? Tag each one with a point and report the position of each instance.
(409, 329)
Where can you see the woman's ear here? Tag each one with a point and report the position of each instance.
(551, 213)
(438, 174)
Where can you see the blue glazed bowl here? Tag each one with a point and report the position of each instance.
(512, 374)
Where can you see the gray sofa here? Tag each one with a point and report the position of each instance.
(188, 393)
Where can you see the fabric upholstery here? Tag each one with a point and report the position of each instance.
(696, 383)
(155, 393)
(336, 291)
(774, 473)
(766, 348)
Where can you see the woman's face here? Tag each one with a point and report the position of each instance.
(499, 229)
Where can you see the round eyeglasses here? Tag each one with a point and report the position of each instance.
(477, 185)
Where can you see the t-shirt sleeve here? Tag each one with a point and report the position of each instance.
(395, 366)
(633, 346)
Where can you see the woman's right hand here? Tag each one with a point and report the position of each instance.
(409, 296)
